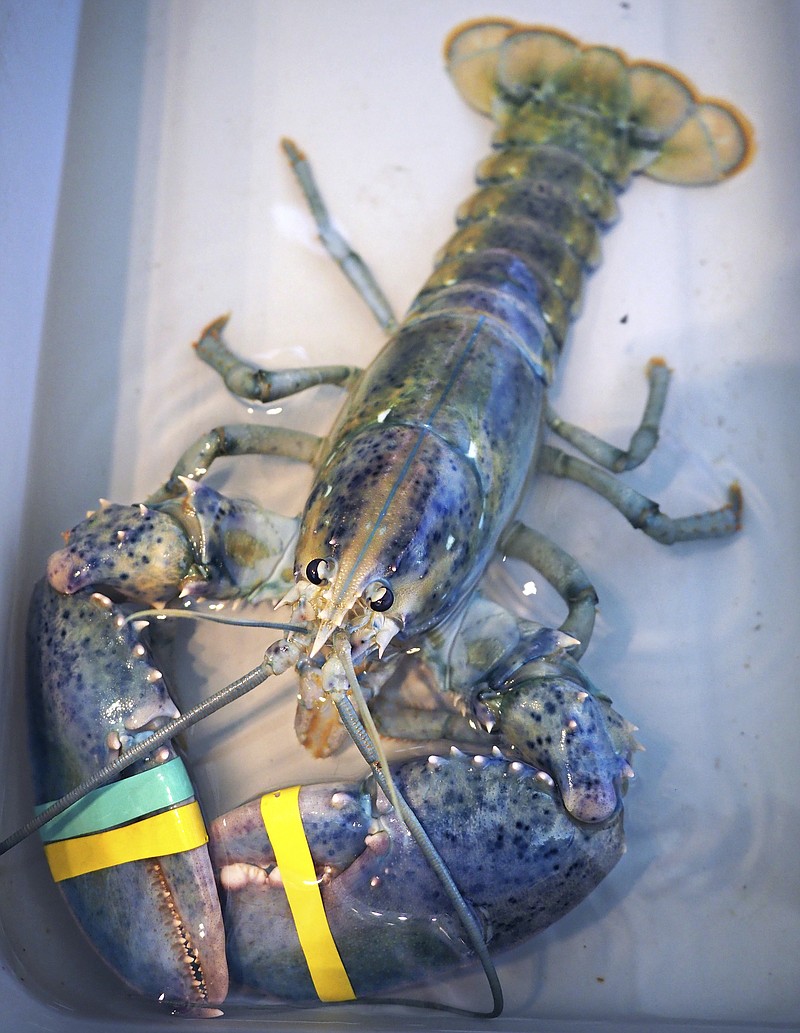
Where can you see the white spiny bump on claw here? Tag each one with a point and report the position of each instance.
(190, 485)
(112, 742)
(497, 753)
(572, 724)
(101, 601)
(154, 675)
(104, 503)
(385, 635)
(121, 534)
(582, 696)
(435, 762)
(340, 800)
(456, 752)
(139, 626)
(517, 767)
(628, 772)
(378, 842)
(119, 621)
(545, 779)
(478, 760)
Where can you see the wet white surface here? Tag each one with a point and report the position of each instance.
(174, 204)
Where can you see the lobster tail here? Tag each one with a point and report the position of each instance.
(573, 123)
(542, 87)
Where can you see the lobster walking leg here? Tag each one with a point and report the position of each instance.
(565, 575)
(641, 512)
(235, 439)
(261, 385)
(644, 438)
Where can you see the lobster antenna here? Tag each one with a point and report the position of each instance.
(214, 618)
(104, 775)
(365, 736)
(341, 645)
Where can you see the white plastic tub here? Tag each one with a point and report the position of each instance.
(174, 204)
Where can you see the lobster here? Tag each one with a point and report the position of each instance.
(341, 891)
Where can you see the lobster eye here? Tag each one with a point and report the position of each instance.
(317, 571)
(380, 597)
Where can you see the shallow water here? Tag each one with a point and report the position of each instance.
(175, 205)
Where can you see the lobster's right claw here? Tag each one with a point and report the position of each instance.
(130, 858)
(136, 551)
(157, 923)
(200, 543)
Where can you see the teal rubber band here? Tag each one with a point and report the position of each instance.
(121, 802)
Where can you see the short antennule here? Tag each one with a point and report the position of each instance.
(537, 83)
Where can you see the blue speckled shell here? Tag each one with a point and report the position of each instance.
(516, 854)
(427, 462)
(157, 922)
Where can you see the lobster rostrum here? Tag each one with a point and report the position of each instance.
(338, 891)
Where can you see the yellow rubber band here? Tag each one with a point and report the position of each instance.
(171, 832)
(280, 812)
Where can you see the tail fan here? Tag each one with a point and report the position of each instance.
(542, 86)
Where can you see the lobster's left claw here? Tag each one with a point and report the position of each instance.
(518, 858)
(518, 687)
(556, 722)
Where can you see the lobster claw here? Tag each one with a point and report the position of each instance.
(200, 544)
(555, 720)
(130, 858)
(516, 681)
(385, 921)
